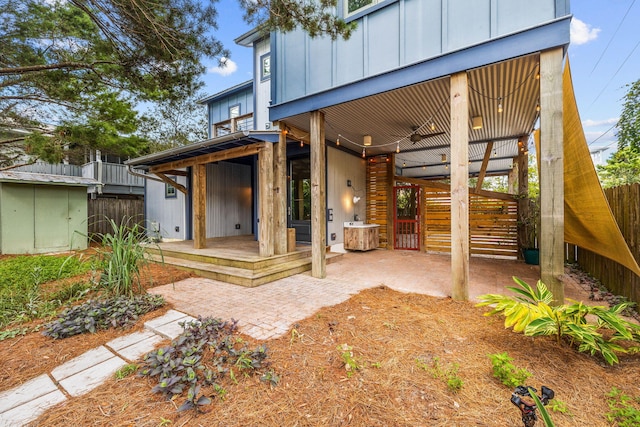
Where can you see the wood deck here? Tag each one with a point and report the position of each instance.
(234, 260)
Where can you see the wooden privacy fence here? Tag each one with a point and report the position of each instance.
(100, 211)
(493, 224)
(625, 205)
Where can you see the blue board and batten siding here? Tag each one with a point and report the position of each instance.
(410, 36)
(218, 108)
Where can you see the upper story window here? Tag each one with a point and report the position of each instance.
(354, 6)
(265, 66)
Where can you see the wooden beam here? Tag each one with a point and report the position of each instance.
(176, 172)
(265, 201)
(512, 177)
(280, 195)
(231, 153)
(199, 194)
(318, 200)
(170, 181)
(459, 187)
(485, 163)
(551, 173)
(444, 186)
(296, 133)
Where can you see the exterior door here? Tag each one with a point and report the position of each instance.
(299, 209)
(406, 225)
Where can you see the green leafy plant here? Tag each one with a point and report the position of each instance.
(558, 405)
(101, 314)
(448, 374)
(624, 410)
(126, 370)
(350, 363)
(530, 312)
(506, 372)
(548, 422)
(123, 254)
(201, 357)
(12, 333)
(21, 295)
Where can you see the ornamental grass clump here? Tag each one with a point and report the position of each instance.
(123, 254)
(530, 312)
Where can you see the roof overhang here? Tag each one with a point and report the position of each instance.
(43, 178)
(213, 145)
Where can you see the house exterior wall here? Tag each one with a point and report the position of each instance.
(165, 213)
(36, 218)
(262, 86)
(341, 167)
(396, 34)
(229, 198)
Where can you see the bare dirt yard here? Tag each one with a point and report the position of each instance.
(403, 348)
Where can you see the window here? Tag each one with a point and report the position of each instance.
(352, 7)
(170, 190)
(265, 67)
(234, 111)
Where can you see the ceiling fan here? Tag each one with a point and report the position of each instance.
(417, 137)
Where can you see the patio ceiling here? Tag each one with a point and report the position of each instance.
(390, 117)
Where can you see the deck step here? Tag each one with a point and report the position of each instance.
(234, 260)
(242, 276)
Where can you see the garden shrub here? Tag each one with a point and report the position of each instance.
(95, 315)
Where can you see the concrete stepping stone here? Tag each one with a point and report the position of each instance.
(135, 345)
(168, 324)
(28, 401)
(87, 371)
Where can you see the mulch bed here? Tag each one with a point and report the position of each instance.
(396, 339)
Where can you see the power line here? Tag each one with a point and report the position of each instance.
(612, 37)
(606, 132)
(615, 74)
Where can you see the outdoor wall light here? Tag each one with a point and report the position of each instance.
(366, 140)
(443, 157)
(476, 122)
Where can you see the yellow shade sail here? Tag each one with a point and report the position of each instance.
(588, 220)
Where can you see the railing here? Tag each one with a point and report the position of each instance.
(52, 169)
(111, 174)
(244, 122)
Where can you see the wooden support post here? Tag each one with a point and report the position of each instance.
(459, 187)
(523, 200)
(512, 177)
(318, 201)
(391, 214)
(551, 173)
(280, 195)
(265, 201)
(199, 194)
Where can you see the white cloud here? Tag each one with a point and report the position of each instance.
(581, 32)
(229, 67)
(595, 123)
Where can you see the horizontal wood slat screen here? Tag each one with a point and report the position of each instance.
(378, 196)
(493, 224)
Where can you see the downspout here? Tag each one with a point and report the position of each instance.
(141, 175)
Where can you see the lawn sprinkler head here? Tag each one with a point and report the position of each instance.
(521, 398)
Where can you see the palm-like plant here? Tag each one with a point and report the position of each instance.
(530, 312)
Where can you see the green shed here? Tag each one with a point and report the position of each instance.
(42, 213)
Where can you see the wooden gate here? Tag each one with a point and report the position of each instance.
(406, 224)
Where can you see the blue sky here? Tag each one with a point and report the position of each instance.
(604, 56)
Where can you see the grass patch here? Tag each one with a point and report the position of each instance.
(21, 295)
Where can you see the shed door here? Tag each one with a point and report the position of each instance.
(51, 217)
